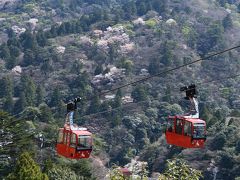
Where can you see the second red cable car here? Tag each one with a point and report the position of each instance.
(187, 131)
(74, 142)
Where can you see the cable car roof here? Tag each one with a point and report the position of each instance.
(80, 132)
(193, 120)
(77, 130)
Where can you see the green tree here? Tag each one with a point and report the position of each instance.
(237, 147)
(179, 169)
(21, 103)
(218, 141)
(4, 51)
(28, 40)
(205, 114)
(28, 58)
(139, 93)
(167, 58)
(16, 132)
(94, 105)
(154, 66)
(14, 51)
(11, 62)
(77, 67)
(28, 87)
(141, 7)
(8, 103)
(209, 39)
(55, 98)
(39, 95)
(98, 70)
(63, 173)
(6, 86)
(118, 99)
(82, 168)
(46, 113)
(27, 168)
(41, 38)
(128, 65)
(227, 22)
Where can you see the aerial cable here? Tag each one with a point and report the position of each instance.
(167, 71)
(126, 104)
(158, 74)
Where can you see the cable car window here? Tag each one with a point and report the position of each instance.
(65, 137)
(68, 138)
(187, 128)
(60, 136)
(199, 130)
(73, 140)
(85, 141)
(179, 126)
(170, 125)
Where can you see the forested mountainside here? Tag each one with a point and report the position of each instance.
(55, 50)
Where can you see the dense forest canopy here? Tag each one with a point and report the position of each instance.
(52, 51)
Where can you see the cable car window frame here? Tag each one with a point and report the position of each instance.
(68, 138)
(170, 125)
(177, 130)
(60, 136)
(187, 128)
(203, 130)
(83, 146)
(65, 137)
(73, 140)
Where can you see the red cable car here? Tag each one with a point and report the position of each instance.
(187, 131)
(74, 142)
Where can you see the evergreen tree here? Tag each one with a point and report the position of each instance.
(178, 169)
(205, 114)
(227, 22)
(4, 51)
(28, 58)
(167, 57)
(17, 132)
(14, 51)
(154, 66)
(167, 96)
(10, 33)
(6, 92)
(8, 103)
(139, 93)
(141, 7)
(28, 40)
(11, 62)
(46, 113)
(55, 98)
(77, 67)
(21, 103)
(14, 41)
(94, 105)
(27, 168)
(118, 99)
(53, 31)
(98, 70)
(218, 141)
(6, 87)
(41, 38)
(29, 89)
(39, 95)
